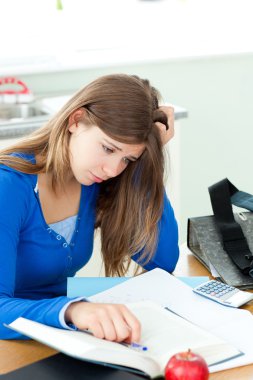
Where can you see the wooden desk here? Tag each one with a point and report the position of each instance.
(15, 354)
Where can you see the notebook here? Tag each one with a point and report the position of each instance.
(63, 367)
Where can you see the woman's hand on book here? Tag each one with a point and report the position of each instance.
(106, 321)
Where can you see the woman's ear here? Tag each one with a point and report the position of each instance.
(74, 118)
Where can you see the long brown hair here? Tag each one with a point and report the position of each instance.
(130, 205)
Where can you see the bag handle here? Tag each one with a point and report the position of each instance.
(223, 194)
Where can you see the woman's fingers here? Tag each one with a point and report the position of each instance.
(133, 324)
(118, 324)
(106, 321)
(166, 135)
(127, 326)
(103, 328)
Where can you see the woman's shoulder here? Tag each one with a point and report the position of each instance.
(15, 194)
(10, 176)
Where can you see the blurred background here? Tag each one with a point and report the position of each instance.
(198, 53)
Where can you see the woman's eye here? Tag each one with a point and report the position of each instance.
(107, 150)
(126, 160)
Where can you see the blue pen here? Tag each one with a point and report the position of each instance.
(135, 346)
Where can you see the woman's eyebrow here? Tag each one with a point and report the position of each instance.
(116, 147)
(110, 143)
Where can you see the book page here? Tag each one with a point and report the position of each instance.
(165, 333)
(85, 346)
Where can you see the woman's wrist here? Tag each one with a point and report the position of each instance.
(69, 312)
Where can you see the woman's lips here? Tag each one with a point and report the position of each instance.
(96, 179)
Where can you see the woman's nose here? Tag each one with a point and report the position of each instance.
(112, 168)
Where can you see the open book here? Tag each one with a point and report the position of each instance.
(163, 333)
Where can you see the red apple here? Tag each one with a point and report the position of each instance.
(186, 366)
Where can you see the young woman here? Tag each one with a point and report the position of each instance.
(98, 163)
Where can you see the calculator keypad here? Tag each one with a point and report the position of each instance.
(217, 290)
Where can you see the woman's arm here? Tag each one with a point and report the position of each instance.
(14, 207)
(167, 252)
(112, 322)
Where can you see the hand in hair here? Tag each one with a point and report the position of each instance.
(106, 321)
(166, 134)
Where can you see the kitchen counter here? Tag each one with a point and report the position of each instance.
(21, 128)
(15, 128)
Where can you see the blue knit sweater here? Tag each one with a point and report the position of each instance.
(35, 261)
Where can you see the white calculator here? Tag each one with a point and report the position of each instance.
(224, 294)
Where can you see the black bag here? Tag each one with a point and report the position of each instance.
(224, 242)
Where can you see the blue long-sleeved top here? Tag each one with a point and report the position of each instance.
(35, 261)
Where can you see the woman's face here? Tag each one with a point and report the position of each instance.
(96, 157)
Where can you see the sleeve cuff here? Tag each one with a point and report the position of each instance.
(69, 326)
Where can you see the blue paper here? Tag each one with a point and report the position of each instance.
(89, 286)
(194, 281)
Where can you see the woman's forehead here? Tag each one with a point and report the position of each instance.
(126, 148)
